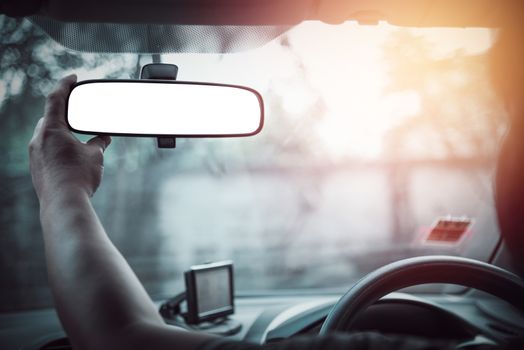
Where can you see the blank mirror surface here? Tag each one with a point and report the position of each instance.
(157, 108)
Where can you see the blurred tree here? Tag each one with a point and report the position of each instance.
(30, 64)
(459, 115)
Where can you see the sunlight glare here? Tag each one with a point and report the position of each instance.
(345, 68)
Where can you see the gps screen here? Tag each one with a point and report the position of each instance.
(213, 290)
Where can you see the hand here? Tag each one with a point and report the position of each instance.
(58, 160)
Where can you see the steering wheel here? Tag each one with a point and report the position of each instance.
(420, 270)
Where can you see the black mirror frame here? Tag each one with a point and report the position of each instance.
(157, 81)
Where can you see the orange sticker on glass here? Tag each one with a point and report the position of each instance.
(449, 230)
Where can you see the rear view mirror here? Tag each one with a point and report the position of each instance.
(164, 108)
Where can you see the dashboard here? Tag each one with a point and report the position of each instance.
(470, 317)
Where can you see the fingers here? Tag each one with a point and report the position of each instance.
(56, 101)
(100, 141)
(37, 128)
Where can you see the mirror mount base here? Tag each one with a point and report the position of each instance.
(162, 71)
(166, 142)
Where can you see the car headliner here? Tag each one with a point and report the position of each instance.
(414, 13)
(222, 26)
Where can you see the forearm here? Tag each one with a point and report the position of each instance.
(95, 290)
(100, 301)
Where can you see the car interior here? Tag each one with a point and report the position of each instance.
(279, 168)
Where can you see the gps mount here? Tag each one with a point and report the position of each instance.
(172, 313)
(161, 71)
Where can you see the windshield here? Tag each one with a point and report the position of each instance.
(372, 134)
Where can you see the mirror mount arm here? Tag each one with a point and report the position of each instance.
(166, 142)
(161, 71)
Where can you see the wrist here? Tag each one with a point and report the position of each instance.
(62, 195)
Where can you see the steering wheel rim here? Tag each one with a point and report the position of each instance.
(420, 270)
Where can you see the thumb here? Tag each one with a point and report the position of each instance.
(100, 141)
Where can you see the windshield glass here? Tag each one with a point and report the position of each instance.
(372, 134)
